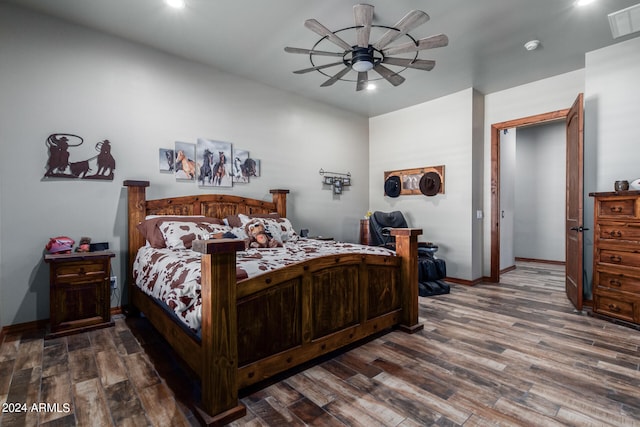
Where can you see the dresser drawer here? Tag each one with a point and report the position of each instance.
(608, 256)
(80, 271)
(623, 282)
(611, 305)
(620, 207)
(629, 231)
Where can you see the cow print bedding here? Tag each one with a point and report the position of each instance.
(173, 276)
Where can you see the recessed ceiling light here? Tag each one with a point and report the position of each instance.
(532, 44)
(177, 4)
(583, 2)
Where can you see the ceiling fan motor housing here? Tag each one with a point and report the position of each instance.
(362, 58)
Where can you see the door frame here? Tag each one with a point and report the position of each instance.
(495, 178)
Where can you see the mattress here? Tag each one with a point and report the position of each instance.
(172, 276)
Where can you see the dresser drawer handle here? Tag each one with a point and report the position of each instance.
(81, 272)
(615, 233)
(615, 258)
(617, 209)
(614, 282)
(614, 308)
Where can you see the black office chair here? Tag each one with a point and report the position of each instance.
(380, 225)
(431, 270)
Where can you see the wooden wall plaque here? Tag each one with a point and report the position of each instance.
(410, 178)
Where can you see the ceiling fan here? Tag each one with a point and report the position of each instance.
(365, 56)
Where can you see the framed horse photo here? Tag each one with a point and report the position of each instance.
(213, 159)
(184, 165)
(242, 168)
(166, 159)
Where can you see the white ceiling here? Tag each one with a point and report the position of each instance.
(247, 38)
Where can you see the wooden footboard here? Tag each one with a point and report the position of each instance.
(259, 327)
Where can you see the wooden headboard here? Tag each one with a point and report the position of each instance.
(211, 205)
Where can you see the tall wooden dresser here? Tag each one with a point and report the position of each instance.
(616, 255)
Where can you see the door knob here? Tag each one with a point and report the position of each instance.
(580, 229)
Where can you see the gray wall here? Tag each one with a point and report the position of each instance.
(612, 132)
(540, 192)
(57, 77)
(439, 132)
(543, 96)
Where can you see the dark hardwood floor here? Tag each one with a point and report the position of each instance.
(513, 353)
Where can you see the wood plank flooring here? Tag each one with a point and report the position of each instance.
(513, 353)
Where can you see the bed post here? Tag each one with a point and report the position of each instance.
(407, 249)
(219, 331)
(280, 200)
(136, 208)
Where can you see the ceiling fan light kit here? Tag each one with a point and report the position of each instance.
(176, 4)
(364, 56)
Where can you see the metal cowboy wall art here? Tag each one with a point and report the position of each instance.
(100, 166)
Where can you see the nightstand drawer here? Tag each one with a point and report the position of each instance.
(81, 271)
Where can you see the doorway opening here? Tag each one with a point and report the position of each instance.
(532, 194)
(496, 129)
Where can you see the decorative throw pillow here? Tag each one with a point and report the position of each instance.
(180, 235)
(151, 231)
(279, 228)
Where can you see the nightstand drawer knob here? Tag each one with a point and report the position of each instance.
(613, 282)
(617, 209)
(615, 233)
(615, 258)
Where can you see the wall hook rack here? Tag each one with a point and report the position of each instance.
(336, 180)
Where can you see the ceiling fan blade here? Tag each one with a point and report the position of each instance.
(393, 78)
(410, 21)
(312, 52)
(363, 79)
(336, 77)
(319, 67)
(427, 43)
(363, 15)
(420, 64)
(320, 29)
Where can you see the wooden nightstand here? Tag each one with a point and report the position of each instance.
(365, 238)
(79, 293)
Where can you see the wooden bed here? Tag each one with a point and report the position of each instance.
(258, 327)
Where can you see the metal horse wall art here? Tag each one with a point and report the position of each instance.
(59, 144)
